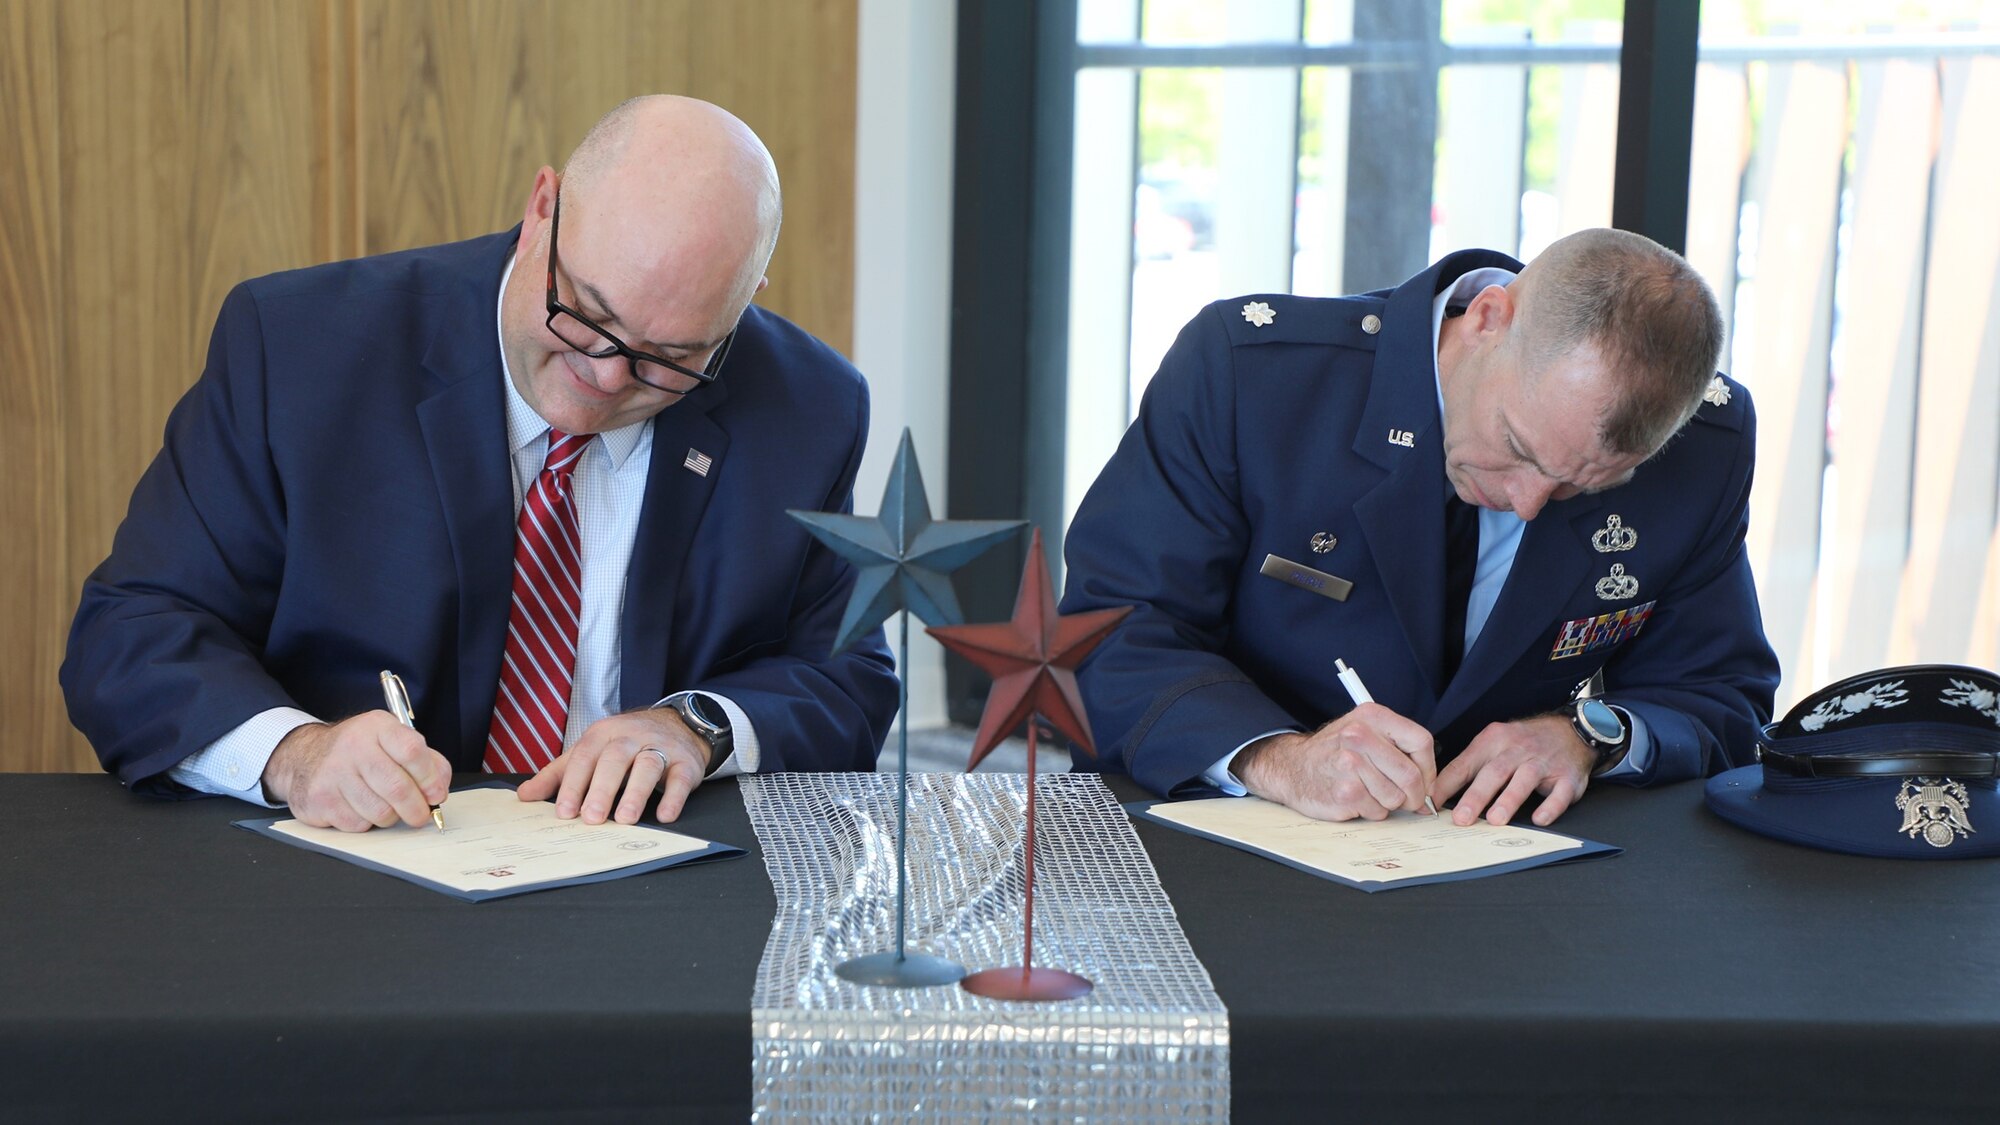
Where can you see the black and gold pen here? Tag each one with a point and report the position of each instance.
(399, 705)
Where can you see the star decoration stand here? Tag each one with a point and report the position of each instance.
(904, 559)
(1032, 659)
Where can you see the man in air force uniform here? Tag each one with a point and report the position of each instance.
(1488, 491)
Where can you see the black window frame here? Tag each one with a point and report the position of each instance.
(1017, 64)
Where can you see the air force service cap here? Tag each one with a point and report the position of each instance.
(1900, 762)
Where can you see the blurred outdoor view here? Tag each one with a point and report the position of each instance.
(1529, 120)
(1841, 204)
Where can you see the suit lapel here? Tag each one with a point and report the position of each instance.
(1555, 555)
(1402, 517)
(464, 425)
(1402, 520)
(677, 494)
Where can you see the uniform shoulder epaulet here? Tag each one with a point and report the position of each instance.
(1725, 403)
(1279, 318)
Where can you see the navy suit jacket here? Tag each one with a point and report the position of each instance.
(1251, 441)
(334, 498)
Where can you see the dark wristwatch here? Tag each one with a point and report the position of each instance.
(709, 723)
(1602, 727)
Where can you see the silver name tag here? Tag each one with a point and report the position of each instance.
(1306, 578)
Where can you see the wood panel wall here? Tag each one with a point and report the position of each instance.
(157, 152)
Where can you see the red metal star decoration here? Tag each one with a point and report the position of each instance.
(1032, 659)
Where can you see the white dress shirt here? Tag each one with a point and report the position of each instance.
(610, 488)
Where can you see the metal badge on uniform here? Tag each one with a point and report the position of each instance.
(1618, 586)
(1323, 541)
(1306, 578)
(1258, 314)
(697, 462)
(1614, 536)
(1717, 393)
(1588, 634)
(1405, 438)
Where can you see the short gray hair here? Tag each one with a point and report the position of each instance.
(1653, 319)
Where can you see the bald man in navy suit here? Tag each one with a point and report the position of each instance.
(338, 495)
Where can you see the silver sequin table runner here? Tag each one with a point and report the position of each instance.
(1151, 1043)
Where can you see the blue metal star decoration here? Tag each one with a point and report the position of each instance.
(902, 554)
(903, 557)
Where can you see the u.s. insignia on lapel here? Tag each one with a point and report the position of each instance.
(1618, 586)
(697, 462)
(1405, 438)
(1588, 634)
(1614, 536)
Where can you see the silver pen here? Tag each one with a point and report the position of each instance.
(1358, 691)
(398, 698)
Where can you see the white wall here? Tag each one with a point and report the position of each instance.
(902, 266)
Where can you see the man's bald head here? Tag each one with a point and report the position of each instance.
(654, 237)
(680, 177)
(1652, 319)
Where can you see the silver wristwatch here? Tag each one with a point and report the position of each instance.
(1602, 727)
(709, 723)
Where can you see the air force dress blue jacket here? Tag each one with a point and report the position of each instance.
(1323, 424)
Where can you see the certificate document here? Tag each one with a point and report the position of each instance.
(1404, 850)
(495, 844)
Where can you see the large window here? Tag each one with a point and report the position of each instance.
(1316, 147)
(1829, 165)
(1843, 203)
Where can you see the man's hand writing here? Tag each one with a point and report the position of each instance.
(369, 771)
(1367, 763)
(635, 751)
(1509, 761)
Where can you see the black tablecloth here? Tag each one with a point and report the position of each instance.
(157, 964)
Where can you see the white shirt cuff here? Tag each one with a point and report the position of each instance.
(1219, 775)
(233, 765)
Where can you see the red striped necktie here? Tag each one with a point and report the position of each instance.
(540, 660)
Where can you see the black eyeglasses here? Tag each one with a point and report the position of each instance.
(587, 336)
